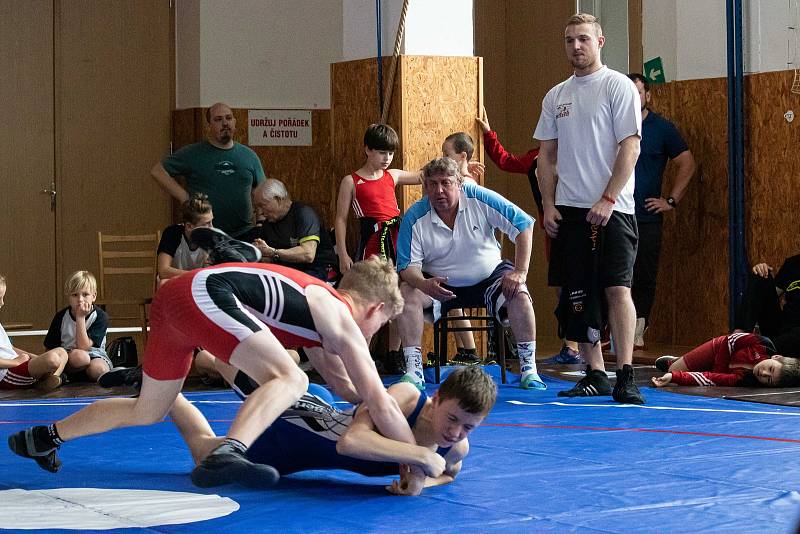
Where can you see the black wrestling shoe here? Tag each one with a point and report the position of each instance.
(663, 362)
(122, 376)
(222, 248)
(466, 358)
(625, 390)
(25, 443)
(594, 384)
(394, 363)
(227, 464)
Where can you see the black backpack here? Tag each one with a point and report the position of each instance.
(122, 352)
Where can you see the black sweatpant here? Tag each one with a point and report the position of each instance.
(645, 270)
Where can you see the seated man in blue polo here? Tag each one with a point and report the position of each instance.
(448, 257)
(292, 234)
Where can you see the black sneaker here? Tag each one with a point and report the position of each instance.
(394, 363)
(594, 384)
(625, 390)
(26, 444)
(222, 248)
(663, 362)
(466, 358)
(228, 463)
(122, 376)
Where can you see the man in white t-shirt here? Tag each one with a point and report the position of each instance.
(590, 129)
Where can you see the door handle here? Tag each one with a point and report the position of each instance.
(52, 193)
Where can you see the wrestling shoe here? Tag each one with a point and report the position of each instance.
(228, 463)
(29, 444)
(222, 248)
(394, 363)
(122, 376)
(594, 384)
(625, 389)
(466, 358)
(566, 356)
(663, 362)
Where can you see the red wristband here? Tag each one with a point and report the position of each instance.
(606, 197)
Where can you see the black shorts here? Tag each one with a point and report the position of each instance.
(618, 250)
(487, 292)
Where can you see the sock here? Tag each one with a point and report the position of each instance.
(527, 356)
(413, 357)
(473, 352)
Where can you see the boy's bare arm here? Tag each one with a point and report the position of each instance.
(362, 439)
(341, 335)
(402, 177)
(343, 201)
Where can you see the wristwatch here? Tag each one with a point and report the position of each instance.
(275, 255)
(671, 202)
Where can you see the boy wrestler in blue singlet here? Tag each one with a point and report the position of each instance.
(315, 435)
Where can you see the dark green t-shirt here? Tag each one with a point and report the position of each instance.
(227, 176)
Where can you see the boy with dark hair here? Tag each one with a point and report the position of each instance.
(313, 434)
(371, 192)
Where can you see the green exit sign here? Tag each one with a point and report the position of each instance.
(654, 70)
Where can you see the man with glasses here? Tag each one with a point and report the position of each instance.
(448, 257)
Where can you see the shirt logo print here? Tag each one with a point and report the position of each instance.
(562, 110)
(225, 167)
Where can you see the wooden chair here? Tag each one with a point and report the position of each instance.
(125, 257)
(480, 321)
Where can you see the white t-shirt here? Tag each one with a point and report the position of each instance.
(6, 350)
(589, 116)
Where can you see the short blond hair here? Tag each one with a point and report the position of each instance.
(78, 280)
(585, 18)
(373, 281)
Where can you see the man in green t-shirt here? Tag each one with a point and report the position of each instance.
(219, 167)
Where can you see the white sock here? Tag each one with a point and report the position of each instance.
(527, 357)
(413, 357)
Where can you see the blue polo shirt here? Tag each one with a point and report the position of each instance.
(661, 141)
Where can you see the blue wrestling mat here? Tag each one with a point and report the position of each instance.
(540, 463)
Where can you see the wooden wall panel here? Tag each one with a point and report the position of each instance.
(772, 168)
(692, 295)
(441, 95)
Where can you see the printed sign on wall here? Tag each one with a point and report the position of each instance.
(279, 127)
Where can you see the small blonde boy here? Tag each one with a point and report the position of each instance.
(20, 369)
(80, 328)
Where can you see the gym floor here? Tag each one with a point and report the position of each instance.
(689, 460)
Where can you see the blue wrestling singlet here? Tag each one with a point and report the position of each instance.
(305, 437)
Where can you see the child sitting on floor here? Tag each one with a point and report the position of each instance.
(734, 360)
(80, 328)
(20, 369)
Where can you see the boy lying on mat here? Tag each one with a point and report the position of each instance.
(734, 360)
(313, 434)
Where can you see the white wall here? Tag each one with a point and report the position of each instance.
(440, 28)
(360, 34)
(690, 36)
(277, 53)
(433, 28)
(257, 53)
